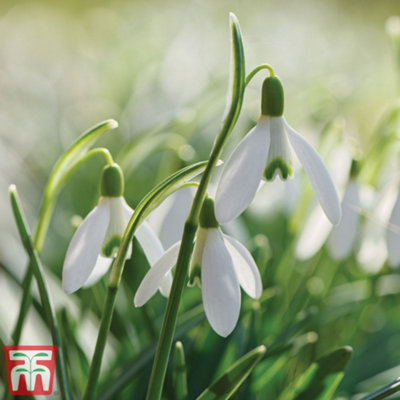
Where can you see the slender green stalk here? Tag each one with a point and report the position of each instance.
(105, 324)
(256, 70)
(182, 266)
(43, 291)
(385, 391)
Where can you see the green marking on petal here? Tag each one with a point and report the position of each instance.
(195, 276)
(275, 165)
(112, 243)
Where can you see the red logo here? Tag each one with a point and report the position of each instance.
(30, 369)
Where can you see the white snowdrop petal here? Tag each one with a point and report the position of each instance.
(318, 174)
(103, 264)
(314, 234)
(85, 247)
(393, 235)
(153, 279)
(242, 173)
(343, 237)
(220, 286)
(168, 219)
(166, 283)
(245, 267)
(149, 242)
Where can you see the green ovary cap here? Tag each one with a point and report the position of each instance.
(207, 215)
(275, 165)
(112, 181)
(272, 98)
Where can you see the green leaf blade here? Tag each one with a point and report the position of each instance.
(229, 383)
(321, 379)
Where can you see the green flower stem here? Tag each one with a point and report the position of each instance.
(43, 291)
(39, 235)
(105, 324)
(256, 70)
(151, 200)
(182, 266)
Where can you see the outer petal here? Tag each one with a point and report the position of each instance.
(318, 174)
(245, 267)
(343, 237)
(168, 219)
(220, 286)
(103, 264)
(146, 237)
(85, 247)
(393, 235)
(153, 279)
(242, 173)
(166, 283)
(150, 243)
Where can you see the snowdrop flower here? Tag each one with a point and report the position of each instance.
(266, 150)
(96, 241)
(341, 239)
(220, 265)
(393, 234)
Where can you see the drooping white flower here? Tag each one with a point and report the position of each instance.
(266, 150)
(341, 239)
(97, 240)
(220, 265)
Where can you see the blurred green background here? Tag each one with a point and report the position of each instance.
(160, 68)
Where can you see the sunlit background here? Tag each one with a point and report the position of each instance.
(161, 69)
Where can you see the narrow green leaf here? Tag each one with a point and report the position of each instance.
(42, 286)
(179, 373)
(230, 382)
(237, 75)
(39, 370)
(384, 391)
(321, 379)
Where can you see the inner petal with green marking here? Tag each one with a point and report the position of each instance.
(116, 227)
(279, 159)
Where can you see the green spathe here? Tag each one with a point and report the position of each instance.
(207, 215)
(275, 164)
(272, 99)
(112, 181)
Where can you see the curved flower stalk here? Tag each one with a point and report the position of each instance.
(266, 150)
(97, 240)
(219, 264)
